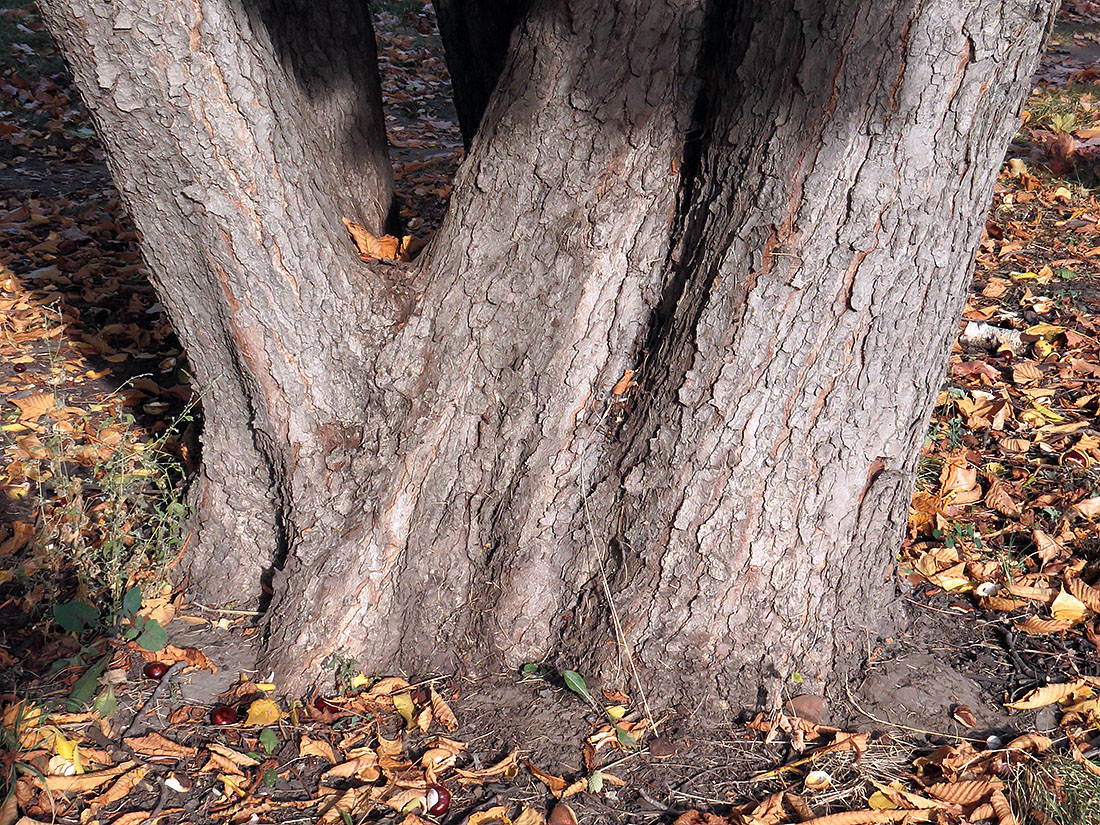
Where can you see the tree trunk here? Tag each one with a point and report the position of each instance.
(769, 214)
(475, 35)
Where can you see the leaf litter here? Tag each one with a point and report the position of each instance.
(1003, 527)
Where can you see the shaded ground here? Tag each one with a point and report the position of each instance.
(97, 428)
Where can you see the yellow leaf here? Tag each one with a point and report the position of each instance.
(1068, 608)
(262, 712)
(403, 704)
(317, 747)
(616, 711)
(1046, 331)
(878, 801)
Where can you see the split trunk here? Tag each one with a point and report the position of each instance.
(767, 212)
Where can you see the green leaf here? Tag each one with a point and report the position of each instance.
(152, 636)
(131, 602)
(595, 782)
(270, 778)
(575, 682)
(268, 739)
(626, 738)
(530, 667)
(131, 633)
(85, 686)
(344, 815)
(75, 616)
(105, 704)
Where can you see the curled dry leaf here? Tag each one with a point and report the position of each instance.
(871, 817)
(530, 816)
(1038, 627)
(1030, 742)
(1002, 809)
(494, 816)
(153, 744)
(1068, 608)
(1047, 695)
(504, 767)
(1001, 603)
(387, 247)
(443, 713)
(1087, 595)
(556, 784)
(964, 716)
(997, 498)
(317, 747)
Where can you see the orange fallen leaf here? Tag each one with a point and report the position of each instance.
(34, 406)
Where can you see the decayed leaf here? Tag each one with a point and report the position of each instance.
(1038, 627)
(624, 383)
(1047, 548)
(1047, 695)
(964, 716)
(959, 482)
(871, 817)
(34, 406)
(443, 713)
(1068, 608)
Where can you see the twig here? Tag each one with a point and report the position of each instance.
(161, 801)
(158, 691)
(620, 637)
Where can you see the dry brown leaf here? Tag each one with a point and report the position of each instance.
(317, 747)
(872, 817)
(1046, 547)
(153, 744)
(528, 816)
(1030, 742)
(1039, 627)
(34, 406)
(243, 760)
(1047, 695)
(998, 498)
(624, 383)
(1026, 591)
(497, 815)
(556, 784)
(9, 811)
(387, 247)
(1026, 371)
(504, 766)
(967, 792)
(443, 713)
(1088, 596)
(1001, 603)
(83, 782)
(120, 788)
(1089, 507)
(364, 767)
(1068, 608)
(959, 481)
(1002, 809)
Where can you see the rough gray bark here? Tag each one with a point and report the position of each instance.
(768, 213)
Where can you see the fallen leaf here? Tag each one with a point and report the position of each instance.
(1047, 695)
(262, 712)
(34, 406)
(1068, 608)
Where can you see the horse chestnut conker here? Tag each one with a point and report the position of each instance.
(155, 670)
(324, 705)
(223, 715)
(437, 800)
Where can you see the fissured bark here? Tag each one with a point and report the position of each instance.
(673, 349)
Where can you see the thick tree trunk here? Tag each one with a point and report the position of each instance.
(768, 213)
(475, 35)
(239, 136)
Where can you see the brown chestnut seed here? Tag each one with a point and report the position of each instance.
(223, 715)
(155, 670)
(437, 800)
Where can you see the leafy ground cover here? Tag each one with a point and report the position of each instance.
(125, 704)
